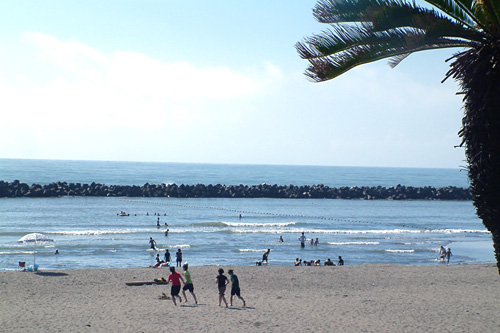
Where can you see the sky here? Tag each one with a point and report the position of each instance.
(210, 82)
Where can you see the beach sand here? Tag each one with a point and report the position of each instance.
(365, 298)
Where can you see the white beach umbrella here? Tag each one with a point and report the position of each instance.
(34, 238)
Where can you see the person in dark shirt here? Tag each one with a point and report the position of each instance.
(222, 282)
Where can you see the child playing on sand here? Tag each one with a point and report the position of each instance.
(176, 284)
(222, 282)
(189, 284)
(235, 287)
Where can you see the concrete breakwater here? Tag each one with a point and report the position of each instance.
(400, 192)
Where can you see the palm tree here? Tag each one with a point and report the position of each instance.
(363, 31)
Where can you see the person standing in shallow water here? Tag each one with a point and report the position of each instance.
(265, 255)
(152, 243)
(448, 255)
(302, 240)
(235, 287)
(178, 256)
(222, 282)
(168, 258)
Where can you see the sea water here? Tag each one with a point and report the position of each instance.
(89, 233)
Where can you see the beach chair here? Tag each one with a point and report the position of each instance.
(22, 265)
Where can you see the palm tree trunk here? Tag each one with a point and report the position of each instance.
(478, 72)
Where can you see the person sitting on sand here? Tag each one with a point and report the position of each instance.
(298, 262)
(328, 262)
(176, 284)
(235, 287)
(222, 282)
(317, 262)
(341, 261)
(189, 284)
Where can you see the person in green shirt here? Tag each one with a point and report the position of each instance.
(235, 287)
(189, 284)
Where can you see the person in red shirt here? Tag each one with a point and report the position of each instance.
(176, 284)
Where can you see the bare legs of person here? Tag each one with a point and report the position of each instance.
(222, 298)
(231, 300)
(186, 299)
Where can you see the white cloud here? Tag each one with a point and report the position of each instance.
(88, 88)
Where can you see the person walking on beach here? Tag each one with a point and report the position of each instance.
(178, 256)
(189, 284)
(265, 255)
(448, 255)
(222, 282)
(176, 284)
(302, 240)
(235, 287)
(168, 258)
(152, 243)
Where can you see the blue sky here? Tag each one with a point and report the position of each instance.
(209, 82)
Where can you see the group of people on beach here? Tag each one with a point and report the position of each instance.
(168, 259)
(221, 280)
(445, 254)
(317, 262)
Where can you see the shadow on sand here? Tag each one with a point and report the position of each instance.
(51, 274)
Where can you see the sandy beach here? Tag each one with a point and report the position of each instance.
(365, 298)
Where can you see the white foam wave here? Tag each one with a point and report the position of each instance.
(16, 252)
(241, 224)
(183, 246)
(400, 251)
(352, 243)
(458, 231)
(94, 232)
(251, 250)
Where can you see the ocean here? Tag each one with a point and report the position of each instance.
(89, 233)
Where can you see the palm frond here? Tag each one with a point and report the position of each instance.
(396, 60)
(460, 10)
(352, 46)
(488, 13)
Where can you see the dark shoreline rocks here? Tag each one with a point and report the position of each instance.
(17, 189)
